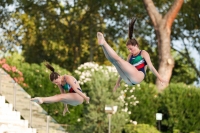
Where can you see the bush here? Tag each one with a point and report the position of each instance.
(140, 128)
(141, 101)
(179, 104)
(15, 73)
(99, 82)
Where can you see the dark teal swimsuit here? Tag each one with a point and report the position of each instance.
(68, 88)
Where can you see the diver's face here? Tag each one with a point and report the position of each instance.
(57, 81)
(132, 49)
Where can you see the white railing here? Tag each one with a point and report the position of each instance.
(10, 120)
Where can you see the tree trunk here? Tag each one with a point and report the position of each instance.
(162, 26)
(166, 62)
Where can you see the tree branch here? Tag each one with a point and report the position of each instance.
(172, 13)
(152, 11)
(188, 59)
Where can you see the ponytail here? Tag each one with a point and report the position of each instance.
(49, 66)
(54, 75)
(131, 26)
(131, 40)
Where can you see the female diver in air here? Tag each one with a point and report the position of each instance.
(133, 70)
(65, 83)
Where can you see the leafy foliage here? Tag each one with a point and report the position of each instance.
(183, 69)
(141, 101)
(66, 32)
(179, 104)
(140, 128)
(99, 88)
(13, 72)
(185, 33)
(7, 41)
(136, 104)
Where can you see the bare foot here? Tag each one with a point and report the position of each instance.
(100, 38)
(37, 100)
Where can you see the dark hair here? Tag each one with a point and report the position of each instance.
(54, 75)
(131, 40)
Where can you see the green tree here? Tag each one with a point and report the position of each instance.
(59, 33)
(7, 38)
(65, 33)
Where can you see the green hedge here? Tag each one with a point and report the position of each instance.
(140, 128)
(180, 105)
(144, 102)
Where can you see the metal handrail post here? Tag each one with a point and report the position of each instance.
(14, 96)
(109, 118)
(30, 112)
(48, 117)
